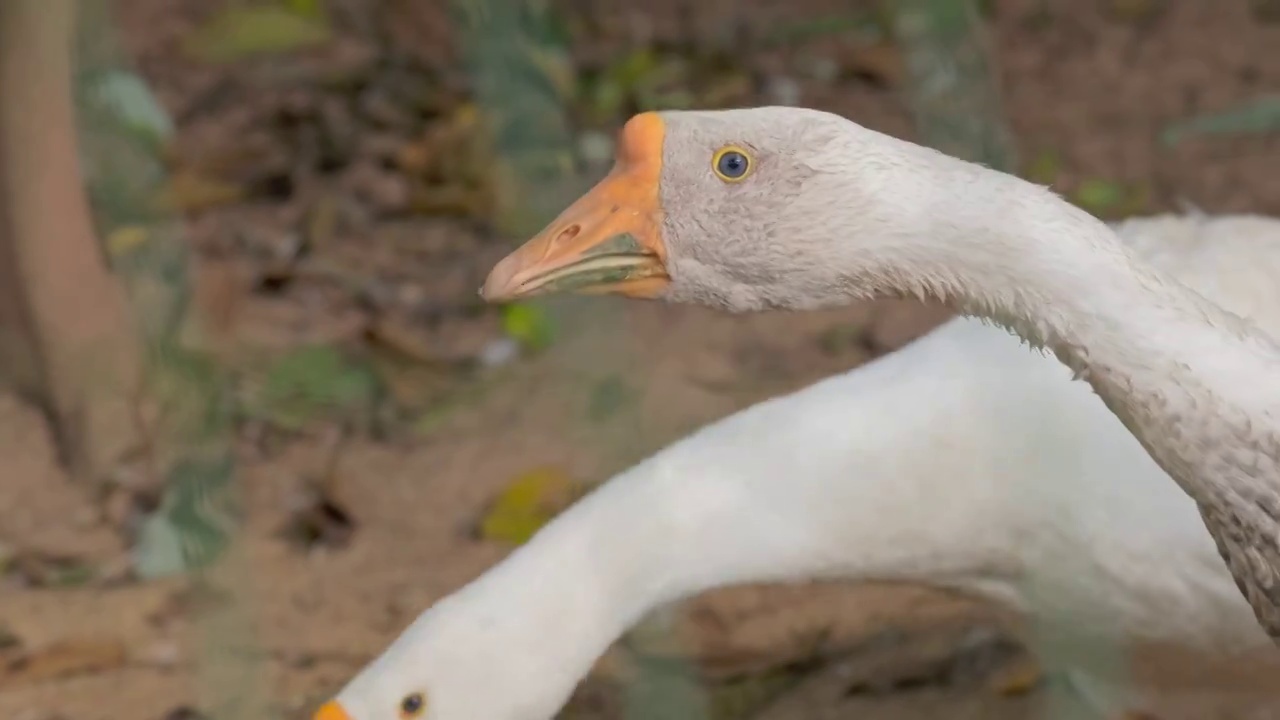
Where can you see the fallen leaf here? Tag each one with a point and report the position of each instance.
(1044, 169)
(1018, 676)
(1099, 196)
(528, 503)
(1257, 116)
(188, 192)
(398, 334)
(239, 32)
(608, 397)
(128, 97)
(881, 63)
(73, 657)
(322, 222)
(528, 324)
(310, 383)
(44, 570)
(124, 240)
(193, 524)
(9, 641)
(447, 200)
(306, 8)
(415, 157)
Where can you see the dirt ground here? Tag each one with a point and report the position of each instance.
(1088, 89)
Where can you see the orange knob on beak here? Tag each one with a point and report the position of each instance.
(331, 711)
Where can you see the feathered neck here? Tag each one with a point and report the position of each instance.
(1176, 368)
(1199, 387)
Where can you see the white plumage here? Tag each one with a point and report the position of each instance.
(964, 459)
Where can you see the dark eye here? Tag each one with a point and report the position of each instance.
(731, 164)
(412, 705)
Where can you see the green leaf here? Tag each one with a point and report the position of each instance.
(607, 397)
(313, 382)
(1044, 169)
(1259, 116)
(194, 522)
(528, 324)
(158, 551)
(1099, 195)
(127, 97)
(240, 32)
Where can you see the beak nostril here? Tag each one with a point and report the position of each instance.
(568, 233)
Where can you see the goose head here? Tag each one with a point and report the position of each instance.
(464, 658)
(770, 207)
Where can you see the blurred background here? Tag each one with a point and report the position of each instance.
(277, 213)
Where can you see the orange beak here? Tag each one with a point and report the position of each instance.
(331, 711)
(608, 242)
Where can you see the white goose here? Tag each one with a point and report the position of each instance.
(961, 460)
(794, 208)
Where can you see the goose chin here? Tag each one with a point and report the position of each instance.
(633, 274)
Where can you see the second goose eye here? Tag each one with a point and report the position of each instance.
(731, 164)
(411, 706)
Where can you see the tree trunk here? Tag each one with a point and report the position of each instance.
(66, 339)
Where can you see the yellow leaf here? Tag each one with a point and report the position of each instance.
(124, 240)
(528, 324)
(240, 32)
(528, 503)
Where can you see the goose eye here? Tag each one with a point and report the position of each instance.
(412, 706)
(731, 164)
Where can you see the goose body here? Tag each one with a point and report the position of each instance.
(791, 208)
(961, 460)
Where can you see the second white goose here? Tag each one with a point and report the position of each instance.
(961, 460)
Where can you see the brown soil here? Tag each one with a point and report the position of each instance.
(1093, 87)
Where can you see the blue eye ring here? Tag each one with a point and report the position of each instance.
(732, 164)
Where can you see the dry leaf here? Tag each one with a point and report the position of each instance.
(1019, 676)
(881, 62)
(72, 657)
(401, 335)
(188, 192)
(124, 240)
(415, 157)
